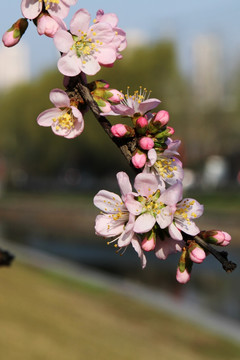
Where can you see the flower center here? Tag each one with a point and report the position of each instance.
(65, 121)
(185, 211)
(85, 46)
(151, 204)
(165, 167)
(135, 99)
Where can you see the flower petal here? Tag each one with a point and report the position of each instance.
(105, 226)
(165, 217)
(69, 64)
(144, 223)
(46, 117)
(90, 65)
(146, 184)
(80, 22)
(108, 202)
(133, 206)
(174, 232)
(147, 105)
(31, 8)
(166, 247)
(172, 195)
(59, 98)
(137, 247)
(124, 183)
(63, 40)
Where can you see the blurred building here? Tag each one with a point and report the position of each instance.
(14, 65)
(207, 71)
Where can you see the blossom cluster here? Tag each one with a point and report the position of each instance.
(154, 216)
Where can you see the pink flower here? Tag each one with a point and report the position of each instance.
(119, 130)
(65, 119)
(183, 276)
(85, 48)
(116, 221)
(32, 8)
(13, 35)
(139, 159)
(149, 242)
(146, 143)
(138, 103)
(119, 40)
(165, 164)
(196, 253)
(48, 25)
(216, 237)
(186, 210)
(161, 118)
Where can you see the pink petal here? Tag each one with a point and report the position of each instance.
(46, 117)
(124, 183)
(104, 33)
(80, 22)
(122, 110)
(152, 156)
(61, 10)
(108, 202)
(172, 195)
(137, 247)
(174, 232)
(76, 131)
(58, 130)
(63, 40)
(69, 65)
(146, 184)
(105, 226)
(70, 2)
(106, 55)
(165, 217)
(133, 206)
(109, 18)
(148, 105)
(166, 247)
(31, 8)
(59, 98)
(144, 223)
(91, 67)
(189, 227)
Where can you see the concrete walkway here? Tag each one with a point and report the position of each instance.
(154, 297)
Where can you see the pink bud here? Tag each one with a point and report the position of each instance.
(227, 239)
(182, 277)
(46, 25)
(197, 255)
(12, 36)
(146, 143)
(141, 122)
(118, 130)
(213, 236)
(116, 97)
(139, 160)
(148, 244)
(161, 117)
(106, 108)
(171, 130)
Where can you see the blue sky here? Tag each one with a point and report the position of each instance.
(181, 20)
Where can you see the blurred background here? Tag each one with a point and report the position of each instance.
(188, 54)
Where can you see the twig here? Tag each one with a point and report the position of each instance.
(221, 256)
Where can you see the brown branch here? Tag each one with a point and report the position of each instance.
(126, 145)
(221, 256)
(5, 258)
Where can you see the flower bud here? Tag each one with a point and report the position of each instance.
(13, 35)
(149, 242)
(161, 118)
(171, 130)
(141, 125)
(212, 236)
(115, 95)
(184, 267)
(146, 143)
(121, 130)
(46, 25)
(139, 159)
(196, 253)
(227, 239)
(183, 276)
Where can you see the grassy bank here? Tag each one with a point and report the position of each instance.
(46, 317)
